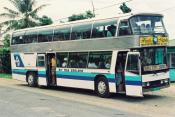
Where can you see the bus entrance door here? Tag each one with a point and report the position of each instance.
(51, 69)
(133, 79)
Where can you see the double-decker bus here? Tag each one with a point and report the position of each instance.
(121, 54)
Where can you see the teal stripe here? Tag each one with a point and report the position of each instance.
(85, 74)
(41, 72)
(19, 70)
(133, 78)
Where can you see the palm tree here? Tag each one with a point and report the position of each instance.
(23, 17)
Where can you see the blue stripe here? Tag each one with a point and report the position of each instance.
(75, 77)
(41, 75)
(138, 83)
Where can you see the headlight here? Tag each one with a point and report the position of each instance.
(166, 81)
(148, 84)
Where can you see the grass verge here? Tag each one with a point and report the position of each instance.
(8, 76)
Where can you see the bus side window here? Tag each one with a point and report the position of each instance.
(81, 32)
(30, 37)
(45, 36)
(61, 34)
(13, 42)
(107, 29)
(62, 59)
(40, 61)
(19, 39)
(78, 60)
(124, 28)
(100, 60)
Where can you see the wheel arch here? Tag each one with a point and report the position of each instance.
(31, 71)
(100, 76)
(111, 85)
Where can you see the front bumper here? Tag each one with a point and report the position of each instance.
(156, 85)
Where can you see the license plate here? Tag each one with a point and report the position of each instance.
(155, 89)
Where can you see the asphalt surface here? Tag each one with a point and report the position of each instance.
(22, 103)
(19, 100)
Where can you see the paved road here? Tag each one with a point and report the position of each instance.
(22, 103)
(67, 102)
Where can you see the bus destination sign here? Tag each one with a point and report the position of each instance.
(150, 40)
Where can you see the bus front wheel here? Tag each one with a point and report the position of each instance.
(102, 87)
(32, 79)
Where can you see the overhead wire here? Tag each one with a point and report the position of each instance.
(96, 9)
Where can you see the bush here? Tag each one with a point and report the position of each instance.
(5, 61)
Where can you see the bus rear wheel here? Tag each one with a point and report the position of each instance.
(32, 79)
(102, 87)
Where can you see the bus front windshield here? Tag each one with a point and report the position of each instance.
(147, 25)
(153, 59)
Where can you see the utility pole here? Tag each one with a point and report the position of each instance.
(93, 7)
(0, 32)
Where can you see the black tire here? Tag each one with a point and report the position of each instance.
(32, 79)
(102, 87)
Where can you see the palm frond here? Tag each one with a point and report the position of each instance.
(11, 11)
(8, 15)
(33, 14)
(16, 3)
(35, 11)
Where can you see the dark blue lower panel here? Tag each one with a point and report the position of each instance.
(137, 83)
(21, 73)
(75, 77)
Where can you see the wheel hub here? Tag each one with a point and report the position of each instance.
(30, 79)
(101, 87)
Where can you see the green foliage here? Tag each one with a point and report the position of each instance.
(8, 76)
(86, 15)
(4, 50)
(6, 41)
(45, 20)
(23, 16)
(5, 62)
(124, 8)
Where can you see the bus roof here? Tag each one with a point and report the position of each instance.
(121, 17)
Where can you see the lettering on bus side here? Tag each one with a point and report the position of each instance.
(70, 70)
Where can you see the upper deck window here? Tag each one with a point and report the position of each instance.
(30, 37)
(104, 29)
(147, 25)
(45, 35)
(17, 38)
(61, 34)
(124, 28)
(81, 31)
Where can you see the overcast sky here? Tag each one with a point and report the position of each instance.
(58, 9)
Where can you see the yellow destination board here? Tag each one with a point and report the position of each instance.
(146, 41)
(150, 40)
(162, 40)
